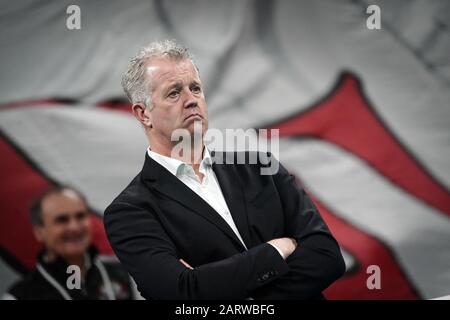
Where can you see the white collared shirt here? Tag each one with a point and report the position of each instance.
(208, 189)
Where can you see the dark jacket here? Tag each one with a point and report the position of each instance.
(158, 220)
(105, 279)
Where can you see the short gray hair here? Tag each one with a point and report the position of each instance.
(35, 209)
(134, 81)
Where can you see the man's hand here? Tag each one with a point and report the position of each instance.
(286, 245)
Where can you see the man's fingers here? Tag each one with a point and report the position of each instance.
(186, 264)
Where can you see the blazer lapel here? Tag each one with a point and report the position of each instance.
(158, 178)
(233, 193)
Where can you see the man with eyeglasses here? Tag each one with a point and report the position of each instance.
(61, 222)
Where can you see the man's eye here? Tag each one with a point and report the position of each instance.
(196, 89)
(62, 219)
(81, 215)
(173, 94)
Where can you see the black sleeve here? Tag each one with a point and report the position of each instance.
(149, 255)
(317, 261)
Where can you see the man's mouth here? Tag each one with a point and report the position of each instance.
(76, 239)
(193, 116)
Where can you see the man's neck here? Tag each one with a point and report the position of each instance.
(78, 260)
(193, 157)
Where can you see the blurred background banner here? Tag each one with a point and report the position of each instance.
(364, 117)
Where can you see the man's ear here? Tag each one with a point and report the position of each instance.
(142, 114)
(38, 233)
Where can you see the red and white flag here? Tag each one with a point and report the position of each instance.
(363, 114)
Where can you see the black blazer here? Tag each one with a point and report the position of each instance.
(158, 220)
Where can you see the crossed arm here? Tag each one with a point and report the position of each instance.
(150, 257)
(311, 253)
(284, 246)
(317, 261)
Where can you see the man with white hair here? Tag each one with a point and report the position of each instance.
(191, 227)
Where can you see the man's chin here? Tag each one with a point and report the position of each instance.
(74, 250)
(196, 127)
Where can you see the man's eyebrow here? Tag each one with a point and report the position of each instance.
(61, 214)
(173, 85)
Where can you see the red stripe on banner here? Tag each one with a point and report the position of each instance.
(367, 250)
(115, 105)
(346, 119)
(21, 182)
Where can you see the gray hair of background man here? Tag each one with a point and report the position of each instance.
(135, 83)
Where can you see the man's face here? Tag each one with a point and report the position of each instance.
(66, 226)
(177, 97)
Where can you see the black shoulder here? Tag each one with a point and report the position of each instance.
(131, 194)
(18, 289)
(31, 287)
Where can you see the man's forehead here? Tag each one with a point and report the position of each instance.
(66, 199)
(161, 68)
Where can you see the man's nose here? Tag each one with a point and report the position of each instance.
(73, 224)
(190, 100)
(191, 104)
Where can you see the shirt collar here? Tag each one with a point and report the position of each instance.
(175, 166)
(207, 160)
